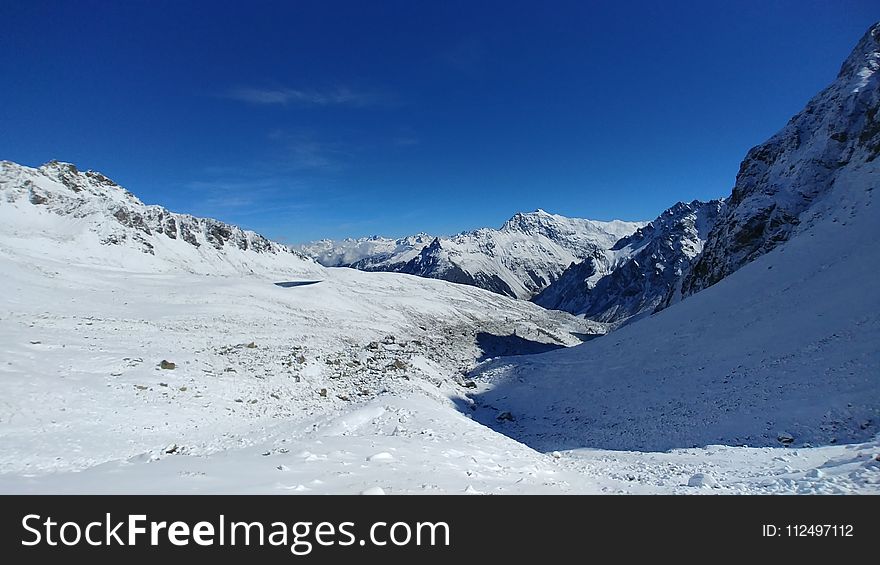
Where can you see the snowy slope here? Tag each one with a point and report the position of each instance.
(786, 345)
(528, 253)
(784, 349)
(645, 267)
(97, 222)
(323, 402)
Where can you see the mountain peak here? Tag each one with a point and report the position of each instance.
(864, 60)
(525, 221)
(56, 164)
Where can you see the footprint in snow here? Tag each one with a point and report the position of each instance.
(296, 488)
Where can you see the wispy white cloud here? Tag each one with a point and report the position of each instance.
(405, 137)
(225, 195)
(341, 96)
(305, 151)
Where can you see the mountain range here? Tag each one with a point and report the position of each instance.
(527, 254)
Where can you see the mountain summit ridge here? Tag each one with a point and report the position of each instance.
(88, 212)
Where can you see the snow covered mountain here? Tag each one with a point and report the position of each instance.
(639, 271)
(364, 252)
(780, 345)
(522, 258)
(97, 221)
(781, 180)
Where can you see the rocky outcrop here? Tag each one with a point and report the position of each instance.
(781, 179)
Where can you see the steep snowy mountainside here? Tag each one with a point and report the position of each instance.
(644, 267)
(528, 253)
(98, 222)
(780, 180)
(785, 346)
(780, 351)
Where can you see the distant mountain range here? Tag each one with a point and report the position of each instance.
(522, 258)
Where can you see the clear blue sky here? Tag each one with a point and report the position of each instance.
(329, 119)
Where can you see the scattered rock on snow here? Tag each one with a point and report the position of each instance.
(785, 438)
(381, 456)
(702, 480)
(323, 392)
(173, 448)
(251, 345)
(167, 365)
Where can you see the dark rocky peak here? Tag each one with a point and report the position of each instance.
(779, 180)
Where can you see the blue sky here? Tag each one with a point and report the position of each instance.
(304, 120)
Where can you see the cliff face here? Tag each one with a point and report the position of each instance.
(780, 180)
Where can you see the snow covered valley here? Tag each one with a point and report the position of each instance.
(146, 351)
(303, 390)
